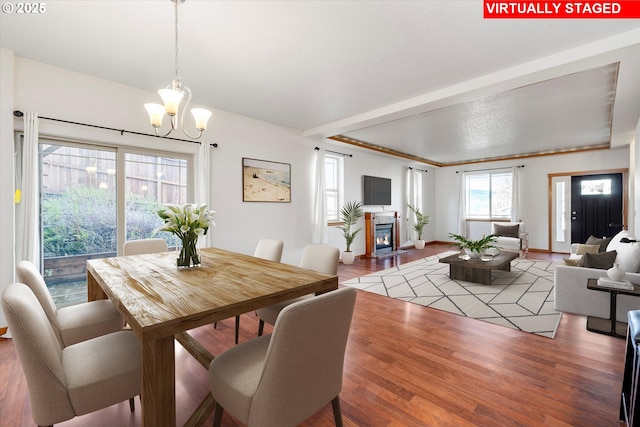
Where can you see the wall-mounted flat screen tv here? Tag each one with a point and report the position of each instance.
(376, 190)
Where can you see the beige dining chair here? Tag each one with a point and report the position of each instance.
(75, 323)
(66, 381)
(320, 258)
(283, 378)
(144, 246)
(270, 249)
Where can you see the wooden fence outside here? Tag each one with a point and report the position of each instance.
(71, 268)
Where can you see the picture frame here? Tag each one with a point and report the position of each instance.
(265, 181)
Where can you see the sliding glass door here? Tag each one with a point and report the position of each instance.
(94, 198)
(78, 214)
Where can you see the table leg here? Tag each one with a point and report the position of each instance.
(506, 267)
(470, 274)
(158, 394)
(613, 310)
(94, 291)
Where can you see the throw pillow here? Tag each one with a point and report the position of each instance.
(584, 249)
(507, 230)
(571, 262)
(603, 243)
(602, 261)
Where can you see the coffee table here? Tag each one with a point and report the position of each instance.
(476, 270)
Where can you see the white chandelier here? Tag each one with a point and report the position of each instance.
(172, 97)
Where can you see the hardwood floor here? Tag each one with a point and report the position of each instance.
(407, 365)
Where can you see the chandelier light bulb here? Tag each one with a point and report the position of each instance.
(156, 114)
(171, 99)
(201, 117)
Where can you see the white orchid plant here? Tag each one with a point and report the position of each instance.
(188, 222)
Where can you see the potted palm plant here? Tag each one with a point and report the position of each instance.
(474, 248)
(350, 213)
(418, 225)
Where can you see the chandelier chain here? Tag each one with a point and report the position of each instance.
(176, 27)
(175, 96)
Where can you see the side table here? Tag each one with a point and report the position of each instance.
(609, 326)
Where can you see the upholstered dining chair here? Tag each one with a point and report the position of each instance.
(282, 379)
(64, 382)
(144, 246)
(75, 323)
(270, 249)
(320, 258)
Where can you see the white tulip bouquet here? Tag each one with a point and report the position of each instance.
(187, 222)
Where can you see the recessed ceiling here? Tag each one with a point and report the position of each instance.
(558, 115)
(468, 87)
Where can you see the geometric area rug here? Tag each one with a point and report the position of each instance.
(520, 299)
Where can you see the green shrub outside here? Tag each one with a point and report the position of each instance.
(82, 220)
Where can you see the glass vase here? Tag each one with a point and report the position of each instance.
(188, 256)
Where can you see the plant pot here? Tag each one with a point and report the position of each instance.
(418, 244)
(348, 257)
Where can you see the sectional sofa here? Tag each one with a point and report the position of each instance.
(572, 295)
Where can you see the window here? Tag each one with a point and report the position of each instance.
(595, 187)
(560, 212)
(488, 195)
(85, 214)
(333, 171)
(149, 182)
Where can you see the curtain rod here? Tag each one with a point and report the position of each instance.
(18, 113)
(491, 169)
(335, 152)
(421, 170)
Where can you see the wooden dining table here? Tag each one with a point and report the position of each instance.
(161, 303)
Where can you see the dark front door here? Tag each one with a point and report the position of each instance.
(596, 206)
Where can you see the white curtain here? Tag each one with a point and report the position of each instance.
(516, 213)
(27, 210)
(410, 199)
(462, 205)
(203, 188)
(320, 230)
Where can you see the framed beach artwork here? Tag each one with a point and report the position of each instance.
(265, 181)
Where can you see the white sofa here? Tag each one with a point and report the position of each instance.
(572, 296)
(518, 244)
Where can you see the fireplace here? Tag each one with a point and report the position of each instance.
(382, 236)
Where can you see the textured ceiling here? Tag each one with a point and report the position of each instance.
(430, 79)
(561, 114)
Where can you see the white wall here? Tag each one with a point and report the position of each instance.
(366, 162)
(534, 187)
(7, 260)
